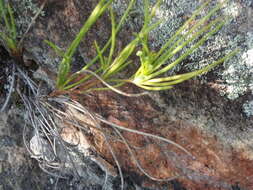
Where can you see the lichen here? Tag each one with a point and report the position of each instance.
(237, 73)
(248, 108)
(26, 9)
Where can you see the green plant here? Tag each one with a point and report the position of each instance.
(9, 33)
(9, 39)
(151, 74)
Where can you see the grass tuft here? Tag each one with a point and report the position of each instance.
(153, 65)
(9, 33)
(45, 112)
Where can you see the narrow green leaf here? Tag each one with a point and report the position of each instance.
(113, 36)
(64, 66)
(179, 31)
(12, 23)
(188, 52)
(55, 48)
(121, 22)
(96, 13)
(120, 68)
(183, 77)
(154, 9)
(101, 58)
(121, 58)
(68, 86)
(177, 46)
(155, 88)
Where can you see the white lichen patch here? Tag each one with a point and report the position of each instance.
(248, 108)
(239, 75)
(232, 9)
(26, 9)
(236, 73)
(174, 15)
(248, 57)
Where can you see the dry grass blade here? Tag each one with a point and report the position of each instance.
(97, 119)
(46, 143)
(31, 85)
(80, 108)
(111, 87)
(137, 162)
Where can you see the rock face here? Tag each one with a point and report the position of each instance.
(59, 22)
(215, 138)
(194, 115)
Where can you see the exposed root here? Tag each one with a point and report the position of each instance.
(97, 125)
(46, 142)
(137, 162)
(61, 126)
(97, 118)
(111, 87)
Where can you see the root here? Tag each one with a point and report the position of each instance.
(97, 118)
(51, 117)
(111, 87)
(97, 125)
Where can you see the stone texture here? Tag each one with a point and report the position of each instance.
(193, 114)
(222, 160)
(59, 22)
(235, 76)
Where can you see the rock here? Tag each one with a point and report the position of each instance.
(41, 148)
(222, 150)
(62, 20)
(211, 127)
(236, 76)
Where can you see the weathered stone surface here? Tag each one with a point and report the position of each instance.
(194, 115)
(59, 22)
(223, 150)
(236, 76)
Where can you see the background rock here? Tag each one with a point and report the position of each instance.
(235, 77)
(215, 129)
